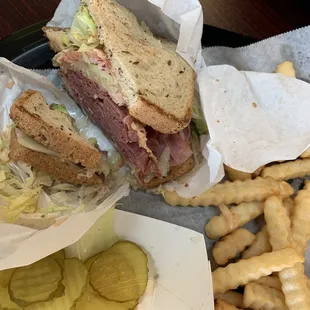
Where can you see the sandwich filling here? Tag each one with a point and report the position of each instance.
(150, 153)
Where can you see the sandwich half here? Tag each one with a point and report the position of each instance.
(46, 139)
(133, 85)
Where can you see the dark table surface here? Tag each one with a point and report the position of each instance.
(256, 18)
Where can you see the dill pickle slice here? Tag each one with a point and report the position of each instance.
(61, 263)
(120, 274)
(138, 260)
(36, 282)
(60, 291)
(5, 276)
(91, 300)
(89, 262)
(58, 255)
(75, 282)
(5, 300)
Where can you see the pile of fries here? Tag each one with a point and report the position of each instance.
(263, 270)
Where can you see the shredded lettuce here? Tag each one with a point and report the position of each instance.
(93, 141)
(83, 32)
(59, 107)
(26, 202)
(115, 160)
(44, 179)
(198, 118)
(36, 199)
(2, 175)
(53, 209)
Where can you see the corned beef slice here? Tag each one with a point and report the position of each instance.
(115, 122)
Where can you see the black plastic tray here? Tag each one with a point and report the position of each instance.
(29, 48)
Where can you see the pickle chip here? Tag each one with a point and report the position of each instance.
(5, 300)
(5, 276)
(89, 262)
(120, 274)
(75, 282)
(58, 255)
(91, 300)
(60, 291)
(36, 282)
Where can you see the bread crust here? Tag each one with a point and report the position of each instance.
(175, 172)
(63, 171)
(152, 115)
(65, 141)
(157, 83)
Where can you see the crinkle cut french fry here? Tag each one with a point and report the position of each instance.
(278, 223)
(289, 204)
(260, 246)
(257, 172)
(235, 192)
(231, 245)
(232, 298)
(288, 170)
(247, 270)
(243, 213)
(293, 279)
(223, 305)
(301, 219)
(228, 215)
(295, 287)
(306, 153)
(307, 185)
(257, 296)
(286, 190)
(234, 175)
(270, 281)
(287, 69)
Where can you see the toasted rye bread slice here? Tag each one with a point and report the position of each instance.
(175, 172)
(53, 129)
(63, 171)
(54, 35)
(157, 83)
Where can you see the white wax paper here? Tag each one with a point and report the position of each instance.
(258, 117)
(181, 21)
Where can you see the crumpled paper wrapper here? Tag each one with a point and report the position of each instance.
(254, 115)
